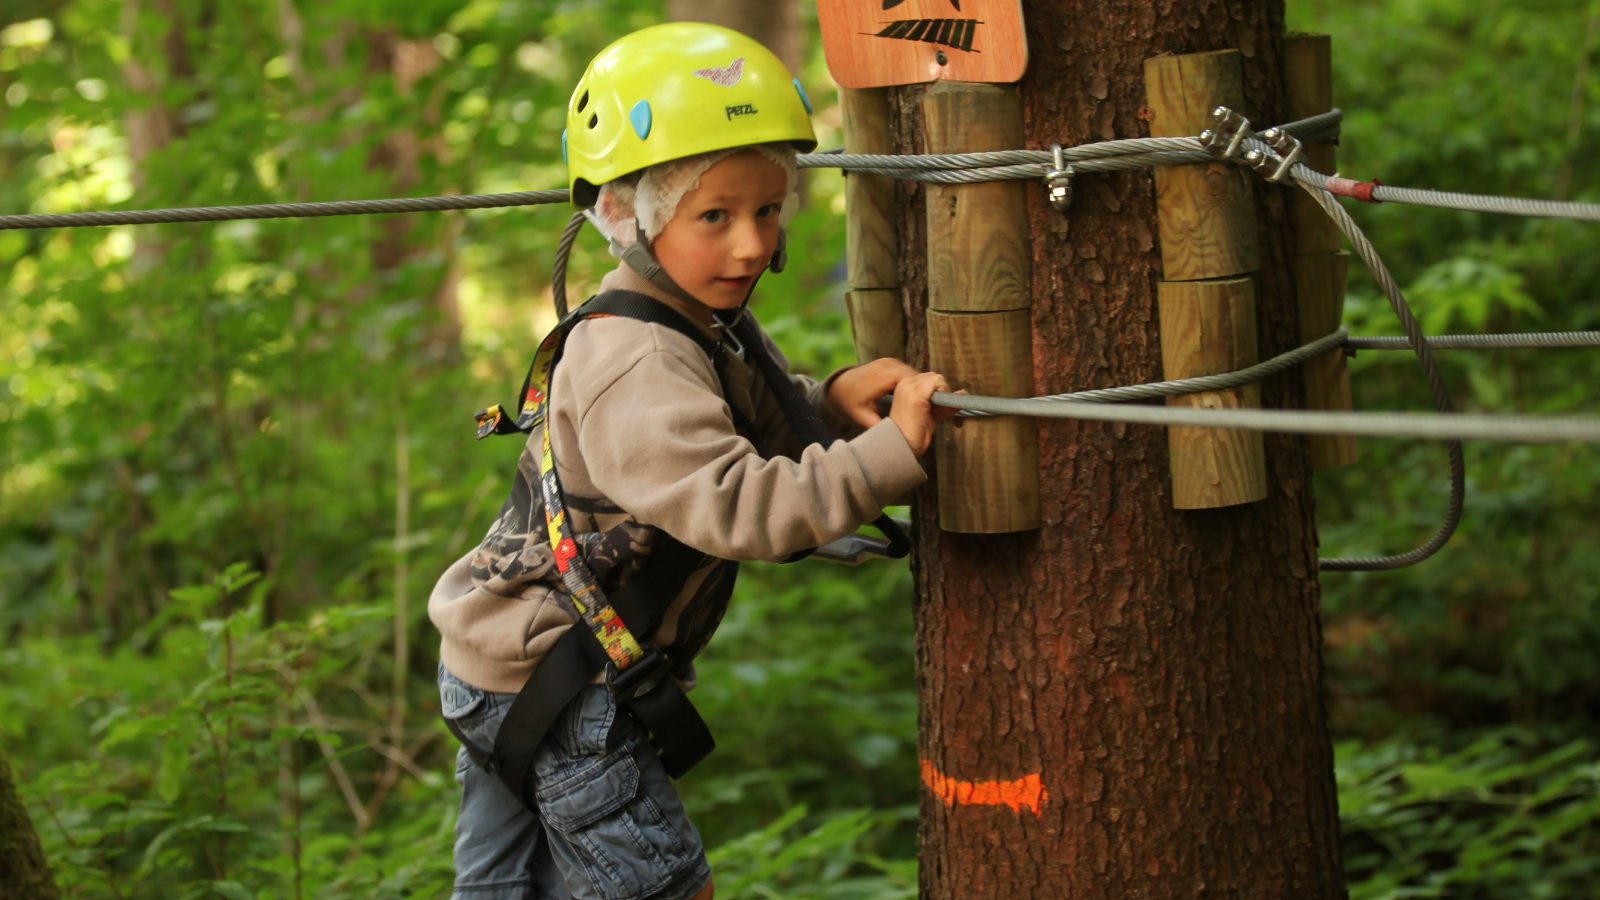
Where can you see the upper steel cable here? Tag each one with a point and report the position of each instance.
(1099, 157)
(284, 210)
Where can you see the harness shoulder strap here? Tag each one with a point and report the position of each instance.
(633, 305)
(627, 304)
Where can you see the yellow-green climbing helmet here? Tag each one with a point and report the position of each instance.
(675, 90)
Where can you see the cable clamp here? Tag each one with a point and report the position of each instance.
(1058, 180)
(1288, 148)
(1228, 137)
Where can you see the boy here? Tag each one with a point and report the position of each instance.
(656, 434)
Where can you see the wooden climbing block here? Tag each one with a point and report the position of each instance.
(1205, 211)
(978, 239)
(988, 468)
(1319, 283)
(872, 238)
(877, 324)
(1209, 328)
(1308, 76)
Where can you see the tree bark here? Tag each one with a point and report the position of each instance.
(24, 874)
(775, 23)
(1127, 702)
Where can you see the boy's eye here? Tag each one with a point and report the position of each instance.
(771, 209)
(715, 216)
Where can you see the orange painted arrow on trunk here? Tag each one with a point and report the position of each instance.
(1025, 791)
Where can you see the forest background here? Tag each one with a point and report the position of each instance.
(234, 457)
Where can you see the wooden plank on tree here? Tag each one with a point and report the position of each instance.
(1208, 328)
(989, 467)
(1308, 76)
(1321, 268)
(872, 249)
(877, 43)
(1319, 284)
(877, 324)
(978, 238)
(1206, 211)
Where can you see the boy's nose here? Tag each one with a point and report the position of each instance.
(747, 243)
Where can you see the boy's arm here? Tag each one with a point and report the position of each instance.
(659, 443)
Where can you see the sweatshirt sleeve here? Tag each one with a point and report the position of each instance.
(658, 442)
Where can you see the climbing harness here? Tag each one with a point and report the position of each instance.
(614, 638)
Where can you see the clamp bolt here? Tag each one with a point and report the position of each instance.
(1058, 181)
(1288, 147)
(1231, 129)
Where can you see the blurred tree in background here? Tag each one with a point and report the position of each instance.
(234, 457)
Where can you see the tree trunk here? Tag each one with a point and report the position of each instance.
(1127, 702)
(775, 23)
(24, 874)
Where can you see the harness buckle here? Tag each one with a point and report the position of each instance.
(639, 678)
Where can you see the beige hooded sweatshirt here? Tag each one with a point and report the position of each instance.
(644, 440)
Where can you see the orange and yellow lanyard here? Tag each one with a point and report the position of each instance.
(591, 602)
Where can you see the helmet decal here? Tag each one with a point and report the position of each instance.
(726, 76)
(640, 117)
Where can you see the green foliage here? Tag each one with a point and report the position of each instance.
(249, 761)
(1498, 818)
(240, 760)
(1502, 626)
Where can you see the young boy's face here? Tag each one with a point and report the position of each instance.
(725, 231)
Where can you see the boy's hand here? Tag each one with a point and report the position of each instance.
(914, 411)
(856, 391)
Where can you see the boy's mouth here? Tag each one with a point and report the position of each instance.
(742, 281)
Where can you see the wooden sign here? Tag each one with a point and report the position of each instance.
(875, 43)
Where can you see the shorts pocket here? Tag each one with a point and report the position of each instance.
(590, 793)
(607, 824)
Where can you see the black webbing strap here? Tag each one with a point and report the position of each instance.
(634, 305)
(680, 735)
(572, 664)
(807, 424)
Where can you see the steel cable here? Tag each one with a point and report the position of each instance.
(1099, 157)
(1430, 368)
(1452, 427)
(284, 210)
(1181, 386)
(558, 272)
(1543, 340)
(1511, 206)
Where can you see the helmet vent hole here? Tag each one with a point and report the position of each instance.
(594, 120)
(583, 101)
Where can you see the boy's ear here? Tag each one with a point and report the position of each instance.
(780, 256)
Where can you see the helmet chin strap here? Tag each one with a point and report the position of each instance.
(641, 259)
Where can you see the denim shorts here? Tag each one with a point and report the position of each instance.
(609, 825)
